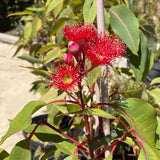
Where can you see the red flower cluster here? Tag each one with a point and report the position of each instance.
(85, 42)
(105, 50)
(80, 33)
(99, 49)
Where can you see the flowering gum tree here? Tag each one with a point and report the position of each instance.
(86, 45)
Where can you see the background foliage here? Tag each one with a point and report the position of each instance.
(137, 25)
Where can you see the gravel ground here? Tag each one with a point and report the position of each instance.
(15, 83)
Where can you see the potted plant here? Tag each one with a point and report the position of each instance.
(68, 86)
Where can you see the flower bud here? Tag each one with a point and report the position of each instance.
(68, 59)
(75, 49)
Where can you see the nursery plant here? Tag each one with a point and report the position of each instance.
(73, 49)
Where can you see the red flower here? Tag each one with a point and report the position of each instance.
(80, 33)
(105, 50)
(64, 77)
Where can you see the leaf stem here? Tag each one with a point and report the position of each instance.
(65, 135)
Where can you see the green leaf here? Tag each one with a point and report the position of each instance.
(89, 11)
(72, 157)
(39, 71)
(30, 59)
(77, 5)
(36, 9)
(48, 2)
(155, 81)
(27, 32)
(94, 112)
(46, 48)
(142, 117)
(150, 153)
(53, 54)
(73, 107)
(65, 13)
(46, 134)
(55, 6)
(23, 119)
(125, 26)
(66, 147)
(140, 63)
(36, 25)
(155, 93)
(4, 155)
(19, 152)
(22, 13)
(106, 19)
(61, 107)
(52, 95)
(158, 133)
(149, 32)
(93, 75)
(58, 25)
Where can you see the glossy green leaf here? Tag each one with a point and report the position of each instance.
(89, 11)
(53, 54)
(27, 32)
(54, 6)
(94, 112)
(125, 26)
(155, 93)
(73, 107)
(136, 93)
(19, 152)
(77, 5)
(142, 117)
(66, 147)
(149, 32)
(158, 133)
(4, 155)
(48, 2)
(49, 152)
(93, 75)
(22, 13)
(140, 63)
(46, 134)
(72, 157)
(23, 119)
(58, 25)
(151, 153)
(155, 81)
(39, 71)
(52, 95)
(106, 19)
(65, 13)
(36, 25)
(30, 59)
(46, 48)
(36, 9)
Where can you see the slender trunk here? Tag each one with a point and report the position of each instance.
(104, 78)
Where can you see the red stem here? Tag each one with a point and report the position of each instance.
(73, 97)
(113, 144)
(119, 92)
(88, 70)
(66, 101)
(29, 138)
(65, 135)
